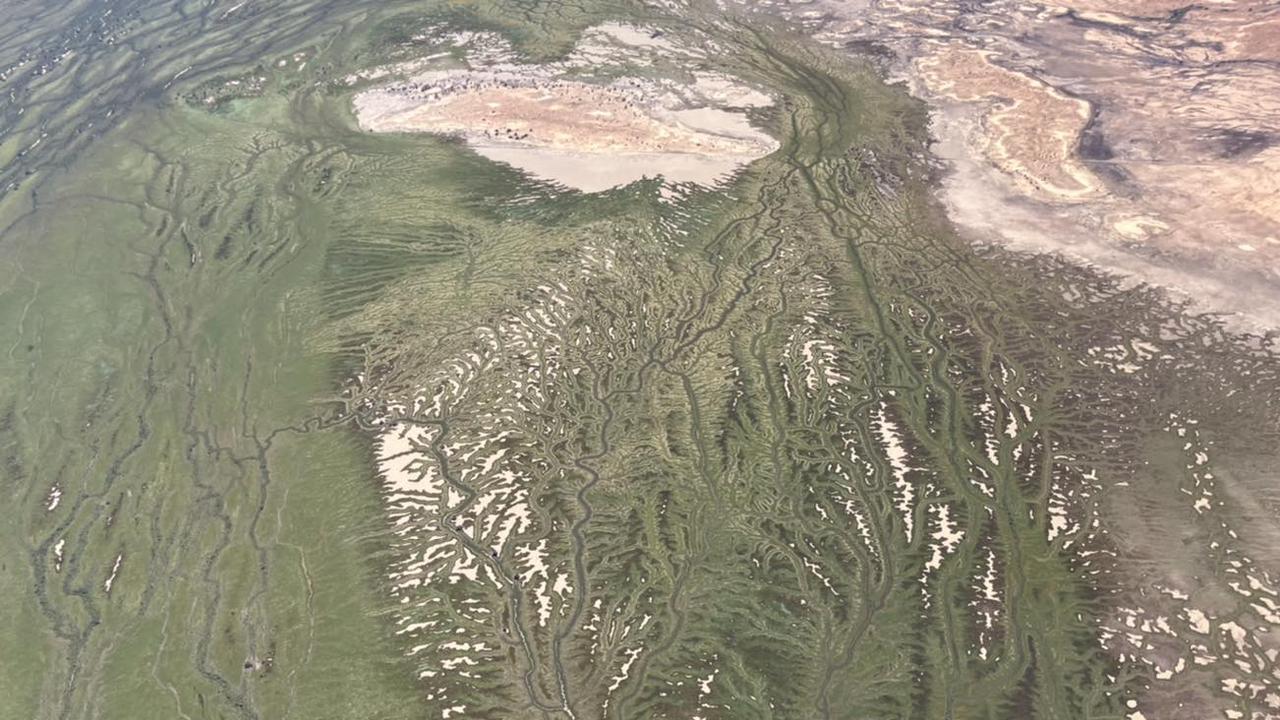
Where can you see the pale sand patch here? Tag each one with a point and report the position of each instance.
(1174, 169)
(1138, 227)
(989, 210)
(569, 116)
(584, 135)
(596, 172)
(1031, 128)
(724, 91)
(636, 36)
(722, 124)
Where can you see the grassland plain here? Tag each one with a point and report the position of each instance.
(190, 535)
(789, 450)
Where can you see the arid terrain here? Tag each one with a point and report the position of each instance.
(1138, 135)
(587, 135)
(524, 359)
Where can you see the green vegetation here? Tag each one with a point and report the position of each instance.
(789, 450)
